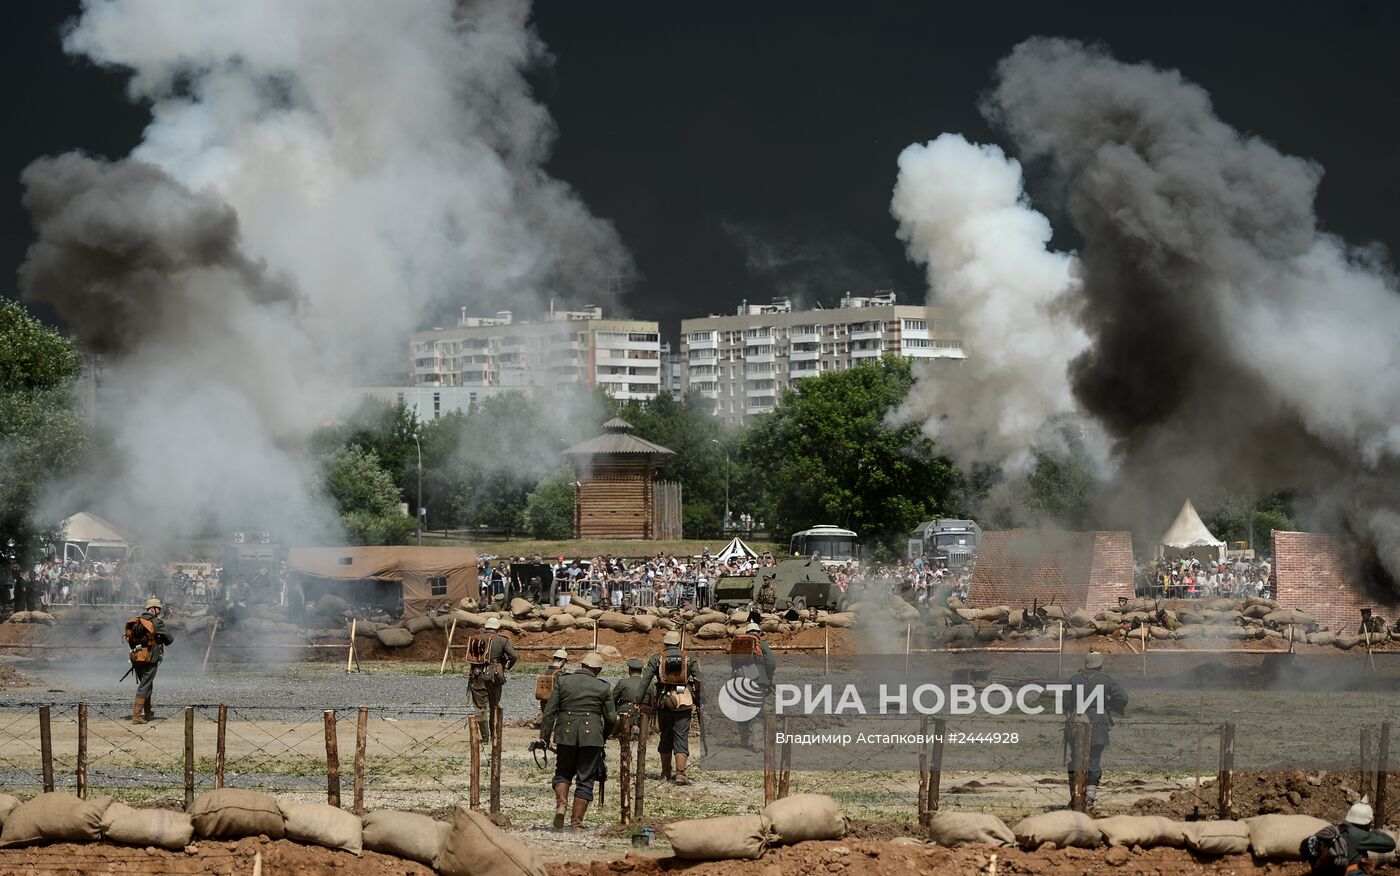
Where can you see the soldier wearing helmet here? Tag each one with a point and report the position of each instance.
(490, 655)
(676, 675)
(147, 636)
(580, 717)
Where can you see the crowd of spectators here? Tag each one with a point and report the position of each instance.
(1192, 577)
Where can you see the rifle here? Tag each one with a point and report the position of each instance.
(130, 669)
(700, 718)
(603, 779)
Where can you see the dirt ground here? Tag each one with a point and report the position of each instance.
(1322, 796)
(279, 858)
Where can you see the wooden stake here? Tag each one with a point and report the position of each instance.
(189, 758)
(826, 650)
(1200, 738)
(213, 628)
(220, 748)
(785, 760)
(624, 772)
(350, 652)
(1081, 738)
(447, 652)
(1363, 774)
(257, 863)
(1226, 781)
(640, 795)
(922, 803)
(474, 742)
(770, 768)
(361, 740)
(908, 643)
(332, 759)
(1144, 649)
(82, 751)
(935, 775)
(1060, 671)
(1382, 773)
(46, 748)
(496, 724)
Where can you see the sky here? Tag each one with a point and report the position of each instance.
(748, 150)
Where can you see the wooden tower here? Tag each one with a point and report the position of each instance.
(618, 493)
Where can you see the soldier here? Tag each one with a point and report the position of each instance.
(1114, 700)
(580, 717)
(676, 674)
(767, 595)
(629, 695)
(751, 658)
(146, 636)
(490, 656)
(544, 682)
(1342, 848)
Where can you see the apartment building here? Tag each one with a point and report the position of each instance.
(497, 353)
(744, 361)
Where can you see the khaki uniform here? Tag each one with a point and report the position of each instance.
(674, 723)
(146, 674)
(485, 694)
(580, 716)
(768, 597)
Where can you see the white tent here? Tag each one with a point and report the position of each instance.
(736, 549)
(1186, 534)
(84, 532)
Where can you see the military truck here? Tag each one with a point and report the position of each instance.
(804, 581)
(951, 542)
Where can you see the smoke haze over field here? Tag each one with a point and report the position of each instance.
(1231, 343)
(317, 179)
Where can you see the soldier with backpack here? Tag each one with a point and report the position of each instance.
(751, 658)
(490, 655)
(1342, 848)
(676, 674)
(146, 637)
(1115, 700)
(580, 717)
(544, 682)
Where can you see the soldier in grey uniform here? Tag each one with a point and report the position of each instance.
(674, 722)
(629, 695)
(485, 689)
(1115, 700)
(142, 711)
(580, 717)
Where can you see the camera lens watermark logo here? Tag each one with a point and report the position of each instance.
(741, 699)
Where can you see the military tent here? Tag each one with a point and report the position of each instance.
(1188, 535)
(423, 577)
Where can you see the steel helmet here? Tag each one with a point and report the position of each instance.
(593, 660)
(493, 623)
(154, 603)
(1360, 814)
(561, 654)
(671, 638)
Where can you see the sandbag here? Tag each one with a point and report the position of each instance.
(1054, 612)
(1141, 830)
(573, 609)
(615, 620)
(738, 616)
(54, 817)
(728, 838)
(532, 626)
(405, 835)
(394, 637)
(1347, 642)
(419, 624)
(841, 619)
(1082, 618)
(520, 608)
(233, 813)
(1279, 836)
(1216, 837)
(712, 631)
(1290, 616)
(558, 622)
(594, 613)
(323, 825)
(584, 623)
(7, 805)
(959, 828)
(644, 623)
(1323, 638)
(476, 847)
(364, 629)
(582, 602)
(802, 817)
(1064, 829)
(162, 828)
(1161, 633)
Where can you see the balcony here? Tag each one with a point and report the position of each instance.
(804, 355)
(867, 334)
(751, 356)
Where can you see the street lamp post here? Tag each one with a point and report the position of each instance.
(724, 520)
(418, 509)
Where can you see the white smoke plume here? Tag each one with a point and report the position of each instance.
(963, 213)
(318, 179)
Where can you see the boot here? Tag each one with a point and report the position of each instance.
(148, 710)
(561, 802)
(138, 711)
(1091, 793)
(681, 777)
(576, 819)
(666, 767)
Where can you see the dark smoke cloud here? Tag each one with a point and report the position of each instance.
(122, 245)
(1232, 343)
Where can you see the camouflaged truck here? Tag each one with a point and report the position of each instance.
(804, 581)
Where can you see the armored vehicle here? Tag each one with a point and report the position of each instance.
(804, 581)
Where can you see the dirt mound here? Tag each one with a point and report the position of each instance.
(11, 678)
(862, 858)
(278, 857)
(1324, 795)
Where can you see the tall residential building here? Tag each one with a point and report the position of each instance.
(671, 369)
(495, 354)
(744, 361)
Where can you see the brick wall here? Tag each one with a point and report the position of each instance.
(1314, 571)
(1074, 569)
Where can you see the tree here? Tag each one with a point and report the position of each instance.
(549, 509)
(827, 454)
(365, 497)
(42, 433)
(1059, 487)
(1231, 519)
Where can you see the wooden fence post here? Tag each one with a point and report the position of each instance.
(922, 803)
(770, 767)
(332, 759)
(1363, 767)
(189, 758)
(213, 629)
(361, 741)
(82, 751)
(1226, 780)
(220, 746)
(447, 652)
(624, 772)
(45, 748)
(496, 724)
(474, 741)
(785, 760)
(639, 796)
(1083, 734)
(935, 775)
(1382, 773)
